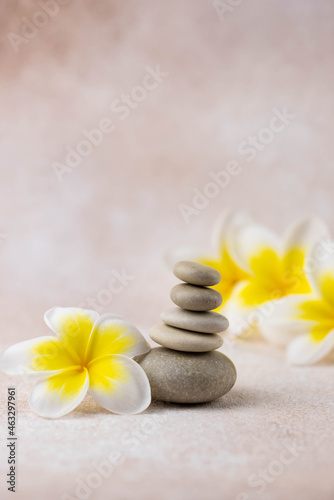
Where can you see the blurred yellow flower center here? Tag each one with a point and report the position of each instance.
(275, 276)
(320, 311)
(230, 272)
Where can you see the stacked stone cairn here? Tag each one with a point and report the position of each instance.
(188, 369)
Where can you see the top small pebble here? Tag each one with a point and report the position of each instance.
(196, 274)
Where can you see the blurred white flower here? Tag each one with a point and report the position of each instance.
(316, 315)
(261, 273)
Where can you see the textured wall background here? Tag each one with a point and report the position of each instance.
(120, 206)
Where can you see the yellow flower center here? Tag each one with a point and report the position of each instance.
(275, 276)
(230, 272)
(320, 311)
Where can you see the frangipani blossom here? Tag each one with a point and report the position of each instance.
(315, 313)
(260, 272)
(89, 352)
(277, 273)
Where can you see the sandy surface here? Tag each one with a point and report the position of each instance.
(271, 437)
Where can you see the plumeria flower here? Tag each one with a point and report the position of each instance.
(316, 312)
(260, 272)
(89, 352)
(277, 273)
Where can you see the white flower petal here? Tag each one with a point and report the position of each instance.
(309, 235)
(74, 326)
(58, 395)
(277, 319)
(241, 326)
(305, 234)
(42, 356)
(225, 225)
(274, 320)
(119, 384)
(240, 317)
(305, 351)
(247, 240)
(114, 335)
(320, 263)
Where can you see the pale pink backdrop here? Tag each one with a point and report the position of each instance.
(119, 209)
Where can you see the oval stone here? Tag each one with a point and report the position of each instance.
(203, 322)
(181, 377)
(185, 340)
(195, 298)
(196, 274)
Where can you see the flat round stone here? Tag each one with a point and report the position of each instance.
(185, 340)
(203, 322)
(181, 377)
(195, 298)
(196, 274)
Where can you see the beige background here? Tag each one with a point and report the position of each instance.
(120, 209)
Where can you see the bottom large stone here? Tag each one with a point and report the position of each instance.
(183, 377)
